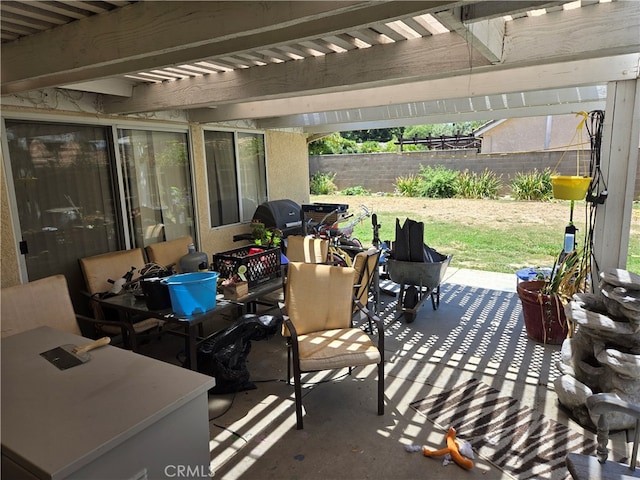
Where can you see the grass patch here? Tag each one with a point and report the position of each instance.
(504, 246)
(489, 249)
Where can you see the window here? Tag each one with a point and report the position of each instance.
(236, 174)
(157, 185)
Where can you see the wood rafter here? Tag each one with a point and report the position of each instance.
(155, 34)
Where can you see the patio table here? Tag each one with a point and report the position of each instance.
(106, 418)
(130, 306)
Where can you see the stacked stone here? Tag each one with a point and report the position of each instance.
(604, 353)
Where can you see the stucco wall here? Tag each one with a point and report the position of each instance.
(287, 177)
(287, 166)
(377, 171)
(534, 134)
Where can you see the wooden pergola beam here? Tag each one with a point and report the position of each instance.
(150, 35)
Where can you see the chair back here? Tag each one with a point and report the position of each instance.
(43, 302)
(319, 297)
(97, 270)
(365, 264)
(169, 252)
(307, 249)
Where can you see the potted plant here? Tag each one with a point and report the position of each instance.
(543, 300)
(266, 237)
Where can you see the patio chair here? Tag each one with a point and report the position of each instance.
(365, 265)
(169, 252)
(307, 249)
(97, 271)
(299, 249)
(43, 302)
(318, 314)
(587, 467)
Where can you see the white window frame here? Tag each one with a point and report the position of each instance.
(235, 132)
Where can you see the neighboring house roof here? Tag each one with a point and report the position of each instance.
(479, 132)
(543, 133)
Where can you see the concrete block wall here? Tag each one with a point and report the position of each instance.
(377, 172)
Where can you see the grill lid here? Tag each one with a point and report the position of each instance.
(281, 214)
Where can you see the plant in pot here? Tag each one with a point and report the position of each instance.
(266, 237)
(543, 300)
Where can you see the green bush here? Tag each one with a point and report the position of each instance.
(437, 182)
(332, 144)
(407, 186)
(532, 185)
(485, 185)
(357, 190)
(369, 147)
(390, 146)
(322, 184)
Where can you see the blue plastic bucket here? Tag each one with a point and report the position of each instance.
(192, 293)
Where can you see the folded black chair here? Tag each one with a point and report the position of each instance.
(409, 251)
(224, 355)
(409, 245)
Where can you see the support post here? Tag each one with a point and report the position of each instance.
(619, 161)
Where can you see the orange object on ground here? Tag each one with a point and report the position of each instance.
(452, 449)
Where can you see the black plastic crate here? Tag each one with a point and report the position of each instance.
(262, 265)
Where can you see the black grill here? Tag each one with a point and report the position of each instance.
(281, 214)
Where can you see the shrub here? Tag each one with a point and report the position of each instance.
(369, 147)
(485, 185)
(408, 186)
(357, 190)
(437, 182)
(322, 184)
(332, 144)
(390, 146)
(532, 185)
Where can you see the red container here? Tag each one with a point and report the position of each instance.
(544, 317)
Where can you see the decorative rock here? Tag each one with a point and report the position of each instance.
(621, 278)
(596, 321)
(622, 363)
(629, 299)
(573, 395)
(590, 301)
(604, 353)
(566, 369)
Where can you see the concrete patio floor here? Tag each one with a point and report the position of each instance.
(477, 331)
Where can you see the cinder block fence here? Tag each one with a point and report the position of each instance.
(377, 171)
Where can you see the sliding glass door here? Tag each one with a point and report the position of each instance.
(157, 183)
(70, 202)
(64, 193)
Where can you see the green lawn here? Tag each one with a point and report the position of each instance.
(485, 248)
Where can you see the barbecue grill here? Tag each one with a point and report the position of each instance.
(281, 214)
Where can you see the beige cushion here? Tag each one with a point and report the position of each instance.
(99, 269)
(170, 252)
(36, 304)
(311, 310)
(307, 249)
(329, 349)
